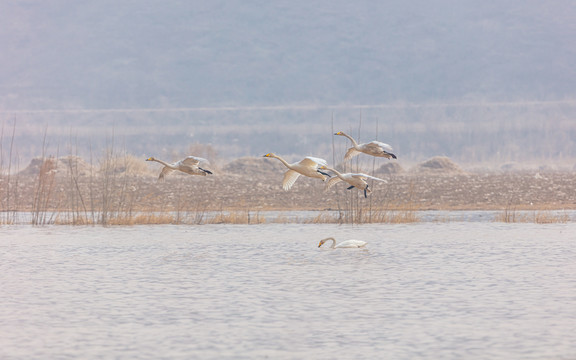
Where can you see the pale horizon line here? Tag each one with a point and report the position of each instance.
(295, 107)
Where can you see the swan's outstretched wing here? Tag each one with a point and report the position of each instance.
(165, 171)
(366, 176)
(313, 162)
(333, 181)
(193, 160)
(351, 153)
(290, 178)
(377, 148)
(376, 145)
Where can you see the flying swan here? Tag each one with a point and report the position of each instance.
(307, 167)
(355, 180)
(374, 148)
(343, 244)
(189, 165)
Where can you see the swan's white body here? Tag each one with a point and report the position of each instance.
(374, 148)
(307, 167)
(357, 180)
(189, 165)
(343, 244)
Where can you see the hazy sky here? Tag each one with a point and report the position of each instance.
(150, 54)
(248, 76)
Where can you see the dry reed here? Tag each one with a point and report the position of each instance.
(511, 215)
(236, 217)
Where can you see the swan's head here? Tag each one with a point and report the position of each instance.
(324, 240)
(339, 133)
(270, 155)
(150, 159)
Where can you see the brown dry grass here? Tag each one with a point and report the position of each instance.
(369, 216)
(236, 217)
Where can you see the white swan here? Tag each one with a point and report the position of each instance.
(189, 165)
(343, 244)
(307, 167)
(374, 148)
(356, 180)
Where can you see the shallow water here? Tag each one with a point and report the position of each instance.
(437, 290)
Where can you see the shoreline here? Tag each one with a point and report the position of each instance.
(120, 198)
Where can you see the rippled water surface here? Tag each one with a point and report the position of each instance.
(443, 290)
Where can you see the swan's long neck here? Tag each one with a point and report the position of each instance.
(283, 161)
(163, 163)
(354, 143)
(335, 172)
(333, 242)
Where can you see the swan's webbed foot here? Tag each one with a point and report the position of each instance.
(366, 190)
(206, 171)
(350, 187)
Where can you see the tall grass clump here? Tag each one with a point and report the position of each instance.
(44, 188)
(44, 191)
(117, 192)
(8, 184)
(78, 207)
(103, 194)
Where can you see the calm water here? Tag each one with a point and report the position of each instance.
(445, 290)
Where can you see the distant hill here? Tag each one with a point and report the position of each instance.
(149, 54)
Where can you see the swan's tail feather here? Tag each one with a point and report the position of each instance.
(389, 155)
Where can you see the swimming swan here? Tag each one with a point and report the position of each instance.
(343, 244)
(355, 180)
(307, 167)
(189, 165)
(374, 148)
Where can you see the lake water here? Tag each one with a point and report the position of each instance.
(428, 290)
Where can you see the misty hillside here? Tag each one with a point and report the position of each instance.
(161, 54)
